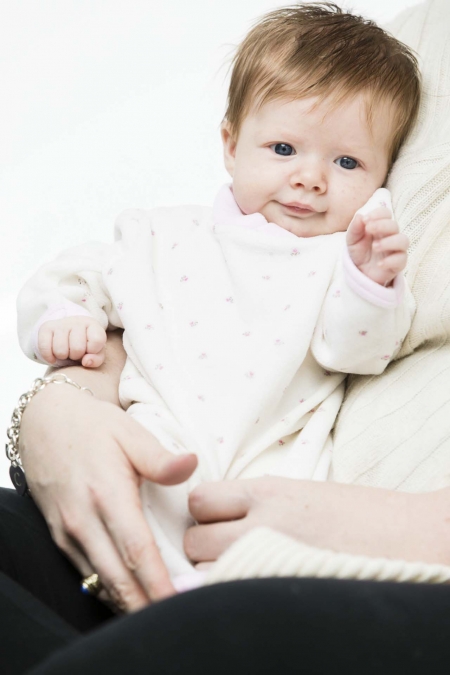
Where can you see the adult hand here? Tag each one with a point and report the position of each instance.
(345, 518)
(226, 511)
(84, 459)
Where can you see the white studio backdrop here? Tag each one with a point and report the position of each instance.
(106, 105)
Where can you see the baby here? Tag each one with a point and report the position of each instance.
(241, 321)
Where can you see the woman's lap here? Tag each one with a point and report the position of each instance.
(29, 630)
(29, 556)
(273, 626)
(258, 626)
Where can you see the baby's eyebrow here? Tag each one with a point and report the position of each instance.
(284, 134)
(353, 147)
(356, 149)
(288, 135)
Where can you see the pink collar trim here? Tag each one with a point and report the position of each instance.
(227, 212)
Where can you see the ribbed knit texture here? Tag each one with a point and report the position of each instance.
(265, 553)
(393, 430)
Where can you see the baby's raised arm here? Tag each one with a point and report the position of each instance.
(78, 338)
(376, 246)
(368, 308)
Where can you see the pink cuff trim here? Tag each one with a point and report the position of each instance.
(187, 582)
(368, 289)
(58, 311)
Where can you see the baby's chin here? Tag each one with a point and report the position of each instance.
(312, 225)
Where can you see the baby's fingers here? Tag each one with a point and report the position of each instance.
(45, 343)
(61, 341)
(356, 230)
(384, 227)
(380, 213)
(77, 342)
(96, 338)
(394, 243)
(95, 349)
(93, 360)
(394, 263)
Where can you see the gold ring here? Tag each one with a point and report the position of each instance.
(91, 585)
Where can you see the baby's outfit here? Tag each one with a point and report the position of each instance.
(238, 334)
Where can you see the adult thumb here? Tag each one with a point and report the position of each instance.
(152, 461)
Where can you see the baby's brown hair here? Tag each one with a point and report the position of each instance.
(320, 50)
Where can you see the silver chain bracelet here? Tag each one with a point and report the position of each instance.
(16, 471)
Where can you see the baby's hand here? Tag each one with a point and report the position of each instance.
(76, 338)
(376, 246)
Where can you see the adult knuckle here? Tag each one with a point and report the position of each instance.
(100, 496)
(72, 525)
(58, 535)
(196, 498)
(133, 553)
(120, 592)
(63, 543)
(190, 543)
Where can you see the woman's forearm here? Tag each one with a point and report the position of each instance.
(56, 400)
(384, 523)
(343, 518)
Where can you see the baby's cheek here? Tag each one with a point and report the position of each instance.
(340, 219)
(247, 196)
(350, 203)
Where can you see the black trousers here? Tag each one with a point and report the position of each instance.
(272, 626)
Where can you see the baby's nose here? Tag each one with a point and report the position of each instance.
(311, 177)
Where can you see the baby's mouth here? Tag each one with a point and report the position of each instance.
(299, 209)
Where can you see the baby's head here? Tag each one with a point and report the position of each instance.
(320, 102)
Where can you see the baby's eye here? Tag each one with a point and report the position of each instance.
(283, 149)
(347, 162)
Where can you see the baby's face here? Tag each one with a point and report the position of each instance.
(308, 169)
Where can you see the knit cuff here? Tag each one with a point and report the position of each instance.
(265, 553)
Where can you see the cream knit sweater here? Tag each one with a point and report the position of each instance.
(393, 430)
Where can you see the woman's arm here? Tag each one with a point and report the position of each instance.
(344, 518)
(85, 458)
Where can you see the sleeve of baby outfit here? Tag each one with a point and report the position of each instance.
(71, 285)
(362, 324)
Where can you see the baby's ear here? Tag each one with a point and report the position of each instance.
(229, 147)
